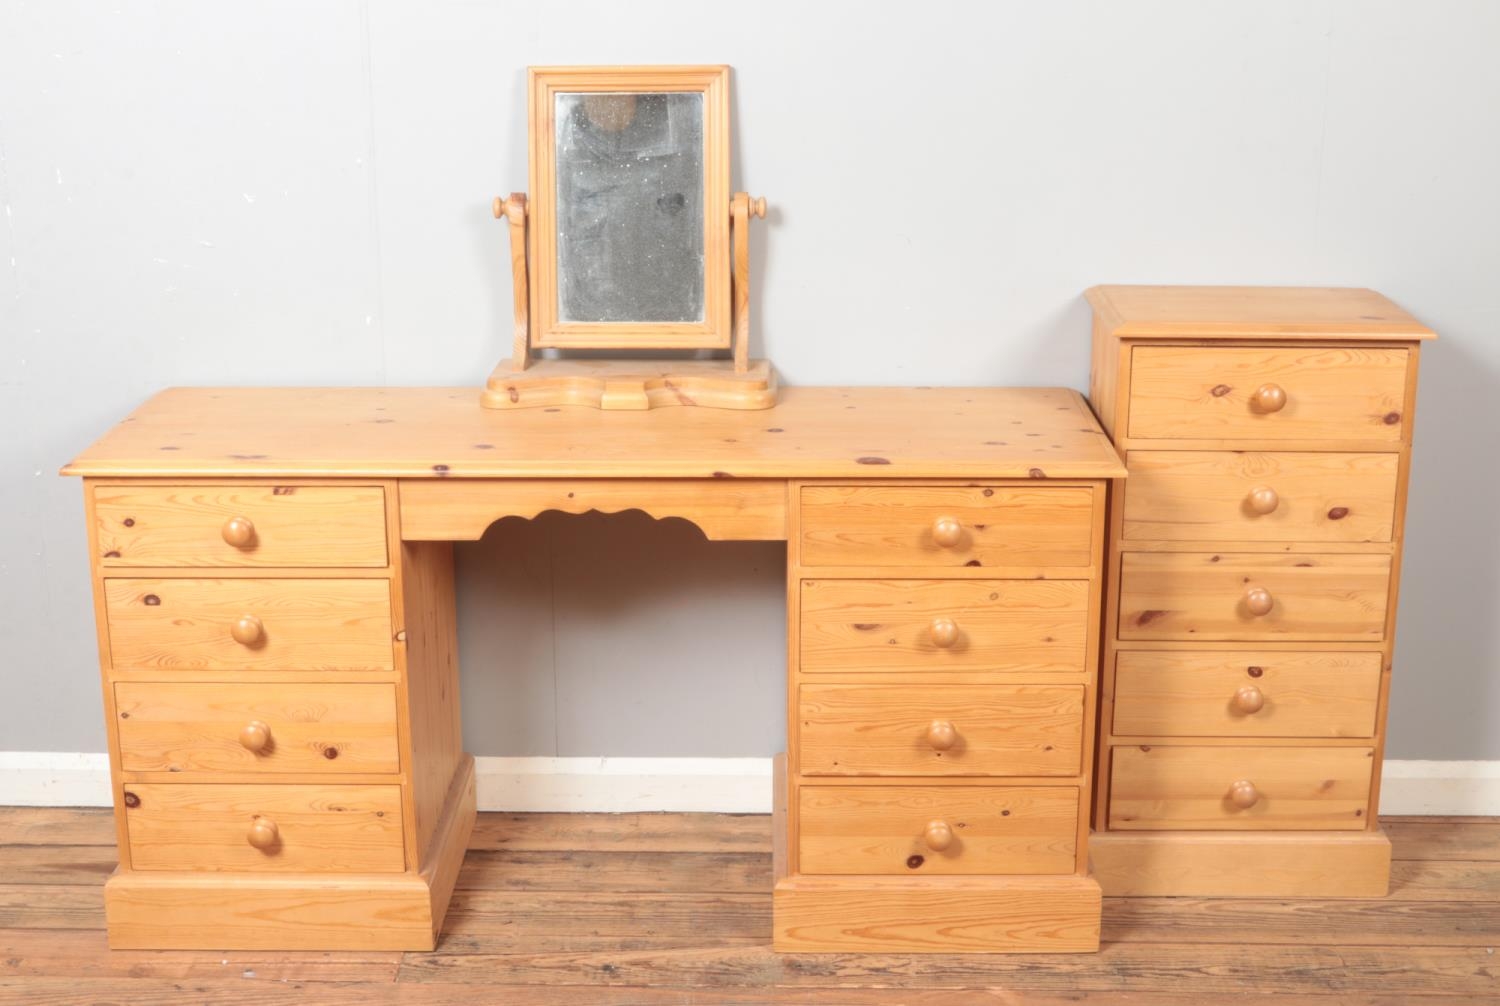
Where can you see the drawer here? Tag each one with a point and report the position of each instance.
(1182, 693)
(946, 525)
(259, 828)
(1256, 496)
(325, 728)
(1198, 596)
(1228, 788)
(1268, 393)
(240, 525)
(285, 624)
(913, 830)
(944, 625)
(946, 730)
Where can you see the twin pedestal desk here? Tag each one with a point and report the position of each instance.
(273, 585)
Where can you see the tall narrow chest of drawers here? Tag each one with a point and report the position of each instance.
(1254, 555)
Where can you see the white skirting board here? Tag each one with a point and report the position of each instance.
(715, 785)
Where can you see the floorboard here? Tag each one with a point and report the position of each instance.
(649, 909)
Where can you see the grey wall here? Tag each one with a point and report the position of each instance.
(297, 193)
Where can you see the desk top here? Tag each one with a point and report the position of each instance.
(443, 433)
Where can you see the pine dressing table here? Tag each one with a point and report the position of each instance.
(272, 574)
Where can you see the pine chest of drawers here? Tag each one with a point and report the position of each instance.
(1254, 554)
(942, 692)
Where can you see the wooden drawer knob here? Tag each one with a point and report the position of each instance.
(944, 632)
(1263, 500)
(1249, 699)
(255, 736)
(1270, 398)
(941, 735)
(1259, 601)
(938, 835)
(239, 532)
(263, 834)
(247, 630)
(946, 531)
(1243, 794)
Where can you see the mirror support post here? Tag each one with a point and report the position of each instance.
(741, 208)
(513, 209)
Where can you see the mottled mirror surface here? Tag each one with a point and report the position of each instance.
(630, 207)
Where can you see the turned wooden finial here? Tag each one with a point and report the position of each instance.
(498, 207)
(758, 207)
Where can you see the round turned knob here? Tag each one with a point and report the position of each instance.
(1242, 794)
(238, 531)
(758, 207)
(498, 207)
(263, 834)
(941, 735)
(255, 736)
(1259, 601)
(247, 630)
(938, 835)
(946, 531)
(1263, 500)
(1249, 699)
(944, 632)
(1270, 398)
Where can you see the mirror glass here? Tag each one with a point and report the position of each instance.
(630, 207)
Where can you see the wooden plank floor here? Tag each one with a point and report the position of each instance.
(675, 908)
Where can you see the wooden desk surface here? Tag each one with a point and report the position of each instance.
(443, 432)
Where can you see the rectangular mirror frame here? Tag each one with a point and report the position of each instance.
(547, 330)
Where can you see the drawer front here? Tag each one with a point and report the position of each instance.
(261, 828)
(1246, 694)
(324, 728)
(1325, 393)
(1228, 788)
(1256, 496)
(915, 830)
(288, 624)
(1201, 596)
(240, 525)
(944, 625)
(946, 526)
(945, 730)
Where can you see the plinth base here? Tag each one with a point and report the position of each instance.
(1285, 864)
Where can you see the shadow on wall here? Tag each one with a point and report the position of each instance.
(1445, 688)
(620, 635)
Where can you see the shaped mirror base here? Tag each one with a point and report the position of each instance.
(631, 384)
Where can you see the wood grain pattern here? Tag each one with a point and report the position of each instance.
(195, 727)
(1293, 313)
(151, 525)
(891, 525)
(1259, 864)
(885, 730)
(1332, 392)
(308, 624)
(1013, 830)
(630, 385)
(724, 509)
(324, 828)
(438, 433)
(1186, 787)
(1203, 596)
(1189, 693)
(964, 915)
(1003, 626)
(1206, 496)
